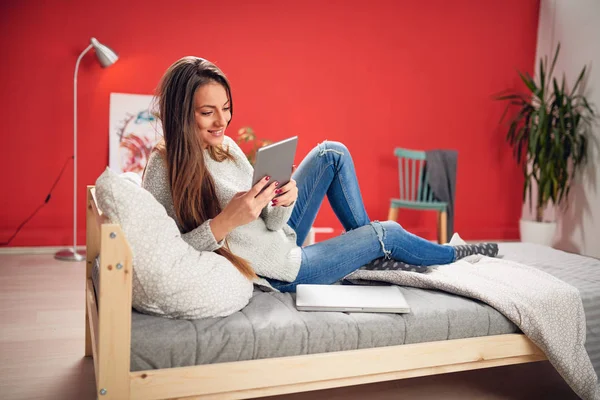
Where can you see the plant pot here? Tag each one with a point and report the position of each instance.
(537, 232)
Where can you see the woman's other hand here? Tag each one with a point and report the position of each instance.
(287, 194)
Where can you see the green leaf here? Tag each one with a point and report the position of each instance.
(578, 80)
(542, 80)
(529, 82)
(546, 193)
(586, 105)
(557, 92)
(554, 60)
(510, 96)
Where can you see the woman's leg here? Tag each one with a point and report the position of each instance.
(329, 261)
(327, 170)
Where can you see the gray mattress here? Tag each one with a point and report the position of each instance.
(270, 325)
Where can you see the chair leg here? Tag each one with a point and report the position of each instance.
(393, 214)
(442, 227)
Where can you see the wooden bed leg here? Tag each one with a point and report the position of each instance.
(88, 335)
(393, 214)
(442, 227)
(114, 306)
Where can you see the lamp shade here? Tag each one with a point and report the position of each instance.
(106, 57)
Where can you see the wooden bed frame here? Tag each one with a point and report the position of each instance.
(108, 341)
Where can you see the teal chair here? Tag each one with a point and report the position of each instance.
(415, 192)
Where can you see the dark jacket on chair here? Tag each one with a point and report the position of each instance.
(441, 168)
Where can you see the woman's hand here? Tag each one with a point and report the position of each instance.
(243, 208)
(288, 193)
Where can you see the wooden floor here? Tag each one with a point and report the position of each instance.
(42, 341)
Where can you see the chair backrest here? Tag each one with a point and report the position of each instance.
(413, 185)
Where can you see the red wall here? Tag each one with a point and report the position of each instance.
(373, 75)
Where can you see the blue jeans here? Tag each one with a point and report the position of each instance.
(328, 170)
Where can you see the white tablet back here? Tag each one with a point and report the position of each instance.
(275, 160)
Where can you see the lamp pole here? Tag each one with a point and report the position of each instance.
(106, 57)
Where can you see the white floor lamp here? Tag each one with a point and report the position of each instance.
(106, 58)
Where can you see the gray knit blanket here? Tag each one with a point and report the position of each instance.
(547, 310)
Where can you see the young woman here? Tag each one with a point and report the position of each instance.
(203, 179)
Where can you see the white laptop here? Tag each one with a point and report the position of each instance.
(351, 298)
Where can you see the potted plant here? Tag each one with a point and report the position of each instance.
(548, 133)
(245, 135)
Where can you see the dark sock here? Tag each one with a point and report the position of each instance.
(381, 264)
(486, 249)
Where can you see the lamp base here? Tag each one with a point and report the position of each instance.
(70, 255)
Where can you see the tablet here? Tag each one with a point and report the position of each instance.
(275, 160)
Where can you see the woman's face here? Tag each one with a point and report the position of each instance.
(212, 112)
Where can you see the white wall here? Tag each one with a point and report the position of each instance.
(576, 25)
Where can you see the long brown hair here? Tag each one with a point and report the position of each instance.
(192, 186)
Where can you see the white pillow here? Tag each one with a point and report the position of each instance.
(132, 177)
(170, 278)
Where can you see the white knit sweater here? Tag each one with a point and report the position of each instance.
(268, 243)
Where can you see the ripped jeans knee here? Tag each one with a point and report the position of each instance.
(399, 244)
(380, 229)
(331, 147)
